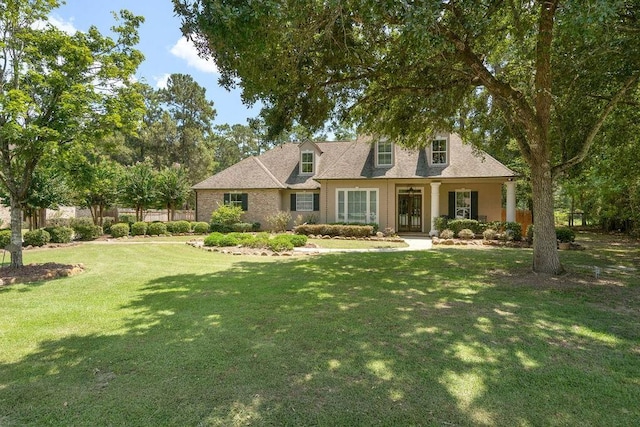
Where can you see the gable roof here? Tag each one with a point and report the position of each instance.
(279, 167)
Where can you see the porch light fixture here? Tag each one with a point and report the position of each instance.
(411, 191)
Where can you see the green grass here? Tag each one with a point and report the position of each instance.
(171, 335)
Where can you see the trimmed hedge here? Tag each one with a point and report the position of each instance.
(335, 230)
(466, 234)
(180, 227)
(120, 229)
(60, 234)
(85, 229)
(38, 237)
(156, 229)
(200, 227)
(565, 234)
(139, 228)
(127, 218)
(107, 222)
(5, 238)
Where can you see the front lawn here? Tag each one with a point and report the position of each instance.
(170, 335)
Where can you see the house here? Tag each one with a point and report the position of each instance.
(365, 181)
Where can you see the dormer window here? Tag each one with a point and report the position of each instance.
(307, 163)
(439, 152)
(384, 153)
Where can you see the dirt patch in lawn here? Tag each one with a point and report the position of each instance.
(38, 272)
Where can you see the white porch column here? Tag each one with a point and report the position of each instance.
(511, 201)
(435, 206)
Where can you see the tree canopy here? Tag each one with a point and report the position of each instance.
(546, 74)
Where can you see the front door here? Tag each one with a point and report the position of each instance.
(410, 212)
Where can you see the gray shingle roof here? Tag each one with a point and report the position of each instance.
(279, 167)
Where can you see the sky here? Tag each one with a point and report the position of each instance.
(166, 51)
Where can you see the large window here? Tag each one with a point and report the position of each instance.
(237, 199)
(357, 205)
(304, 202)
(439, 152)
(384, 153)
(463, 204)
(306, 163)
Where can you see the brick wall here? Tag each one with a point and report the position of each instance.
(261, 204)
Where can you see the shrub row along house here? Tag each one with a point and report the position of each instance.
(365, 181)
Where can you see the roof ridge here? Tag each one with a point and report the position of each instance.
(271, 175)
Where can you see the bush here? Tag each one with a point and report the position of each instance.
(530, 233)
(456, 225)
(5, 238)
(466, 234)
(446, 234)
(58, 222)
(60, 234)
(37, 237)
(85, 229)
(156, 229)
(279, 221)
(139, 228)
(127, 218)
(513, 230)
(335, 230)
(297, 240)
(440, 223)
(242, 227)
(107, 222)
(217, 227)
(565, 234)
(227, 215)
(489, 234)
(219, 239)
(181, 227)
(200, 227)
(120, 229)
(280, 243)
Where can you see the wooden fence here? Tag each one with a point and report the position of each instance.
(525, 218)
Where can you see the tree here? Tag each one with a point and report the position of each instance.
(96, 185)
(172, 188)
(56, 89)
(522, 70)
(139, 187)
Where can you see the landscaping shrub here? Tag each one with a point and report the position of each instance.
(335, 230)
(139, 228)
(241, 238)
(37, 237)
(107, 222)
(489, 234)
(5, 238)
(298, 240)
(217, 227)
(58, 222)
(227, 214)
(565, 234)
(157, 229)
(530, 233)
(466, 234)
(446, 234)
(60, 234)
(440, 223)
(120, 229)
(280, 243)
(279, 221)
(513, 230)
(242, 227)
(181, 227)
(255, 226)
(456, 225)
(260, 240)
(219, 239)
(200, 227)
(85, 229)
(127, 218)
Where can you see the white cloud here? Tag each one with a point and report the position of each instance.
(185, 49)
(61, 24)
(161, 82)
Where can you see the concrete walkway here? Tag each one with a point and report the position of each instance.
(414, 244)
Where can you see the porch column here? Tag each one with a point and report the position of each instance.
(511, 201)
(435, 206)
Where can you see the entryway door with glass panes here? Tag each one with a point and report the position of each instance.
(409, 212)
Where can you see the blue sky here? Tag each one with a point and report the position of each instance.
(166, 51)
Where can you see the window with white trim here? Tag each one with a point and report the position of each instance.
(357, 205)
(304, 202)
(306, 162)
(384, 153)
(463, 204)
(439, 152)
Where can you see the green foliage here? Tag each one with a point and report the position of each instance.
(447, 234)
(279, 221)
(221, 240)
(172, 187)
(220, 228)
(335, 230)
(200, 227)
(466, 234)
(85, 229)
(180, 227)
(127, 218)
(457, 225)
(280, 243)
(489, 234)
(120, 229)
(107, 222)
(139, 187)
(139, 228)
(227, 215)
(441, 223)
(565, 234)
(60, 234)
(156, 229)
(530, 231)
(38, 237)
(5, 238)
(513, 230)
(242, 227)
(298, 240)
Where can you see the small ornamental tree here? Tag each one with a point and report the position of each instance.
(138, 187)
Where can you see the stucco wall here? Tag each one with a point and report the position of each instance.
(260, 203)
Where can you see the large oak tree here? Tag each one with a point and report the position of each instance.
(545, 73)
(57, 89)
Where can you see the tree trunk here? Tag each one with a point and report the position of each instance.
(15, 248)
(169, 215)
(545, 252)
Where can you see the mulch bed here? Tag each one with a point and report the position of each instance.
(38, 272)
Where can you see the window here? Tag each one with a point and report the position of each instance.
(237, 199)
(304, 202)
(384, 153)
(439, 152)
(463, 204)
(357, 205)
(306, 163)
